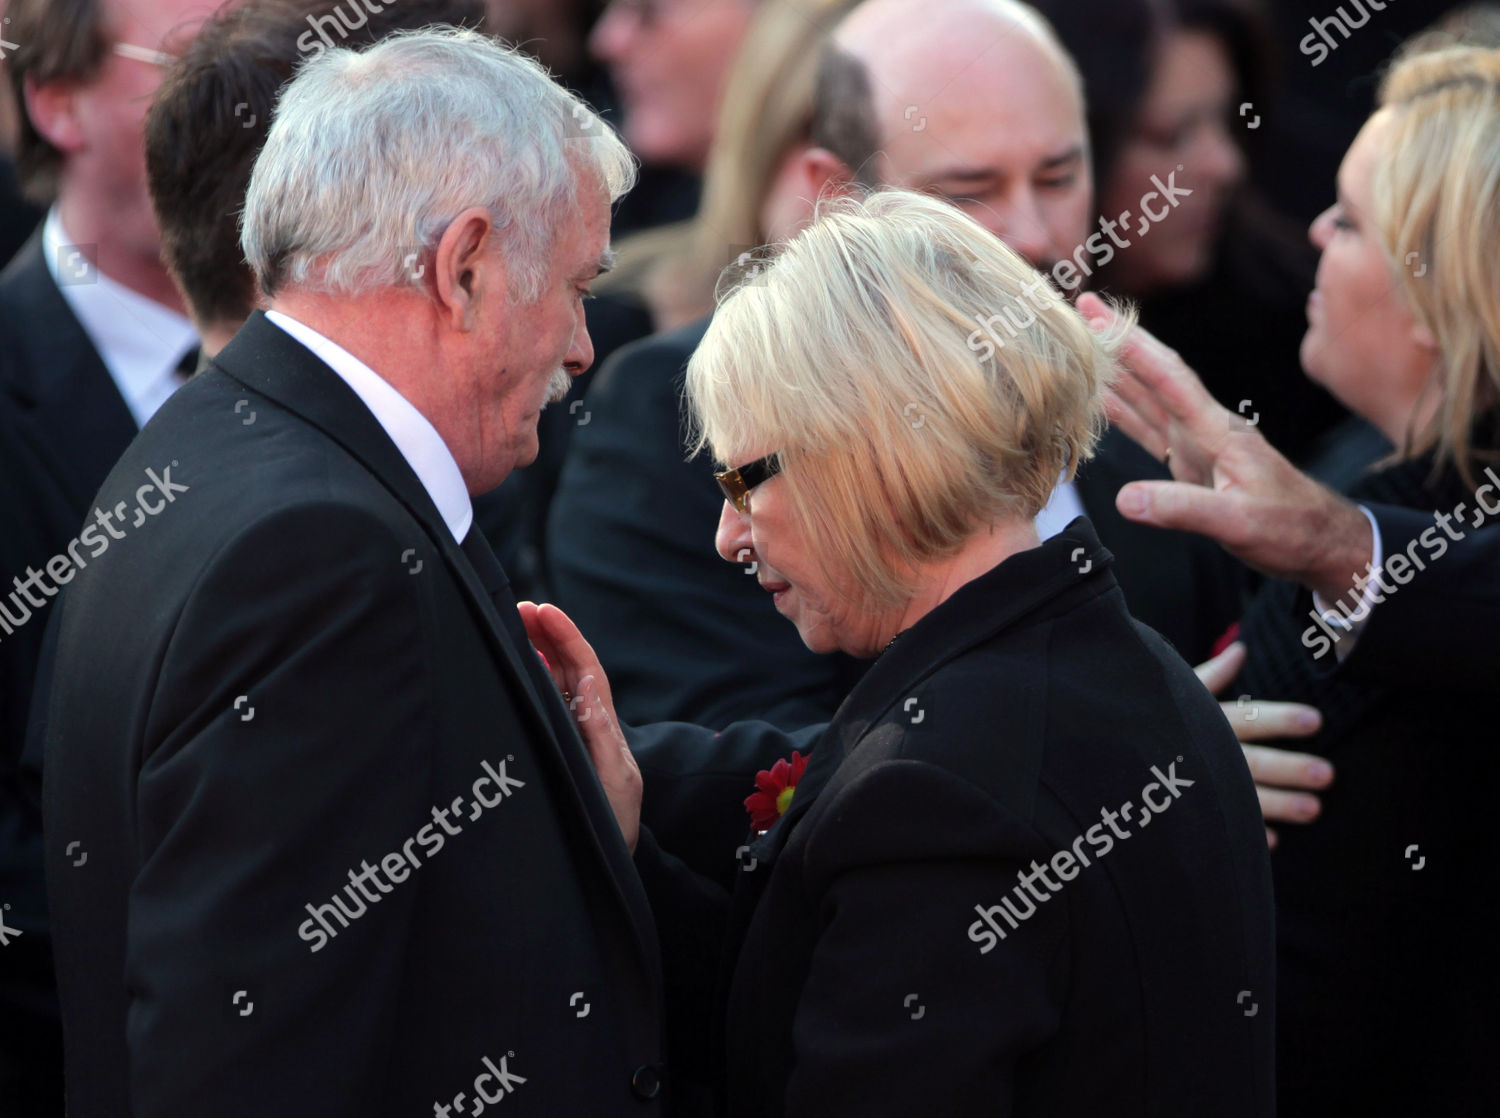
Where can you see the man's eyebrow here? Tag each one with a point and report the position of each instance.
(1062, 159)
(983, 174)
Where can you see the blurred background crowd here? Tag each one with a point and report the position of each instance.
(1195, 183)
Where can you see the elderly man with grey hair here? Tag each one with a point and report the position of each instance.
(325, 838)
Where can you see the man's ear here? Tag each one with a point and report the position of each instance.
(822, 172)
(52, 107)
(466, 269)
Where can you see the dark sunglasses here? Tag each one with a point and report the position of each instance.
(738, 482)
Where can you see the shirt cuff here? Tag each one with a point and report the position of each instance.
(1352, 623)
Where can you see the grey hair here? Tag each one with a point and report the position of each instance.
(373, 153)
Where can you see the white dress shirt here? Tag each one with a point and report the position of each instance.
(1062, 508)
(416, 438)
(1353, 624)
(140, 341)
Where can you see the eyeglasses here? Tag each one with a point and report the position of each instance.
(738, 482)
(144, 54)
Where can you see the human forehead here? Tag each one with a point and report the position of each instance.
(1016, 104)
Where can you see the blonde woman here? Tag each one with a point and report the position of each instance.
(1023, 871)
(1386, 957)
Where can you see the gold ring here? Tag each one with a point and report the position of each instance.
(567, 696)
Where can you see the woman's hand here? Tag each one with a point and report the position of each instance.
(1284, 781)
(576, 670)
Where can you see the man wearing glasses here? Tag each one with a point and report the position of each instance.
(92, 341)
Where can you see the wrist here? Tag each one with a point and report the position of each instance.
(1343, 547)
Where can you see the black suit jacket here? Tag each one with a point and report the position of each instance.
(283, 675)
(1387, 960)
(685, 635)
(64, 424)
(988, 740)
(51, 371)
(1184, 586)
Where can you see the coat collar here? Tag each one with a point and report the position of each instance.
(1071, 567)
(58, 381)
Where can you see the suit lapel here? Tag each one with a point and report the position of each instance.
(64, 394)
(267, 360)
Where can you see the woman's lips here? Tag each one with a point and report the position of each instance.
(776, 589)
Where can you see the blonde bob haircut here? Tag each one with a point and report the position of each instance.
(902, 430)
(1437, 201)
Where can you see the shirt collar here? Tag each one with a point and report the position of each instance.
(140, 341)
(416, 438)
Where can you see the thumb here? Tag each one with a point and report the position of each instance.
(1181, 505)
(1217, 674)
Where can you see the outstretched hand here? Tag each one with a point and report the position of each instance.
(1284, 780)
(1229, 483)
(578, 674)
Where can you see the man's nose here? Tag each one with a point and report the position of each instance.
(611, 35)
(1018, 222)
(581, 353)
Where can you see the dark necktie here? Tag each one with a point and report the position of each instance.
(497, 584)
(187, 365)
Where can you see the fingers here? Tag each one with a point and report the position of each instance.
(542, 641)
(1256, 720)
(576, 652)
(619, 775)
(1184, 506)
(1282, 768)
(1218, 673)
(1278, 806)
(1282, 779)
(1143, 402)
(569, 654)
(1177, 389)
(1126, 418)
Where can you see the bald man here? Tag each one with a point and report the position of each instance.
(977, 102)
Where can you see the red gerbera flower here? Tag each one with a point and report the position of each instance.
(773, 791)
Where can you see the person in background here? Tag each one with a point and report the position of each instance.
(667, 61)
(1385, 959)
(1328, 61)
(19, 216)
(199, 158)
(1218, 275)
(94, 340)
